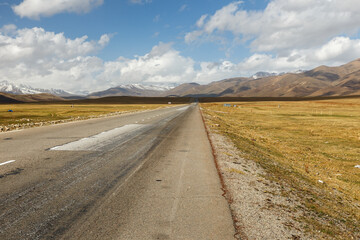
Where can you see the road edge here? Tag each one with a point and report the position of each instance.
(239, 233)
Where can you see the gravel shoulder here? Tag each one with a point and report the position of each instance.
(259, 209)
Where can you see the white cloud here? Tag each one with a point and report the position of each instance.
(340, 49)
(162, 65)
(42, 58)
(104, 40)
(201, 21)
(70, 64)
(73, 75)
(28, 46)
(35, 9)
(192, 36)
(337, 51)
(8, 29)
(214, 71)
(284, 24)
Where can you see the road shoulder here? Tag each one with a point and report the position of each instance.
(258, 207)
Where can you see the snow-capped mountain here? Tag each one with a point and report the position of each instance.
(298, 71)
(12, 88)
(263, 74)
(268, 74)
(133, 90)
(146, 87)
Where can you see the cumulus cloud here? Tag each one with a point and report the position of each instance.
(30, 45)
(284, 24)
(337, 51)
(51, 60)
(8, 29)
(72, 64)
(162, 65)
(35, 9)
(35, 56)
(215, 71)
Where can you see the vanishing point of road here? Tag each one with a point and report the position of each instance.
(148, 175)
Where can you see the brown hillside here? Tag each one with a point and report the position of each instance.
(7, 98)
(348, 85)
(42, 97)
(321, 81)
(288, 85)
(183, 89)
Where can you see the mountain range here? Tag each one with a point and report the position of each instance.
(132, 90)
(321, 81)
(343, 80)
(28, 98)
(7, 87)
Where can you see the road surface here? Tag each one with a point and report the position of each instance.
(148, 175)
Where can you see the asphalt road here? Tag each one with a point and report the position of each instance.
(148, 175)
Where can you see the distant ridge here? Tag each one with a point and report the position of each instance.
(132, 90)
(27, 98)
(5, 98)
(264, 74)
(7, 87)
(321, 81)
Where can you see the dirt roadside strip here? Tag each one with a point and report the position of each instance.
(258, 208)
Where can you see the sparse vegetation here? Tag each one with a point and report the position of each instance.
(27, 115)
(312, 147)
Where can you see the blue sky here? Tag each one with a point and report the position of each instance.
(89, 45)
(135, 28)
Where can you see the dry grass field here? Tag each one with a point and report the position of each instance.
(313, 147)
(29, 114)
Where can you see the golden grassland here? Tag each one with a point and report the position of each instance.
(34, 113)
(311, 146)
